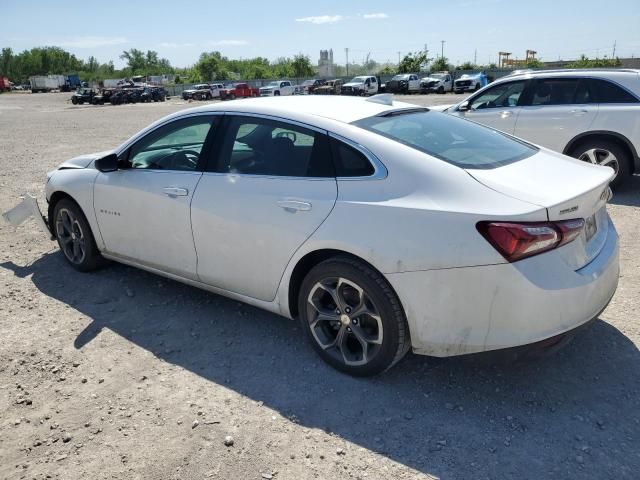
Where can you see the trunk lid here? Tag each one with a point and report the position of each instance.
(566, 188)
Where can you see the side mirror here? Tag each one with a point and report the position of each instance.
(463, 107)
(108, 163)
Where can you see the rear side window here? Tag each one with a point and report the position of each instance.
(257, 146)
(608, 92)
(349, 162)
(451, 139)
(555, 91)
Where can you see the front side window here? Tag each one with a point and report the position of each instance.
(258, 146)
(449, 138)
(499, 96)
(176, 146)
(608, 92)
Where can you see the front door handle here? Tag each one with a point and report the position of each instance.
(579, 112)
(294, 205)
(175, 191)
(505, 114)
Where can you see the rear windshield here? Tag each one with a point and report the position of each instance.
(452, 139)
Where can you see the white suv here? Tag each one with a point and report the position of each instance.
(593, 115)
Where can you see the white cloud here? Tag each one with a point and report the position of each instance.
(90, 42)
(228, 43)
(374, 16)
(320, 19)
(175, 45)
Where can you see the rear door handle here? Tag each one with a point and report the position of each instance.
(294, 205)
(175, 191)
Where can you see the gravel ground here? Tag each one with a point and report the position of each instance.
(123, 374)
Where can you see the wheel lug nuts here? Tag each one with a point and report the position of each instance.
(354, 321)
(348, 310)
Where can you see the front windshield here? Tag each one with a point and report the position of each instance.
(437, 75)
(400, 77)
(452, 139)
(273, 84)
(358, 79)
(308, 82)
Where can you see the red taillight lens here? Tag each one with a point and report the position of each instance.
(516, 241)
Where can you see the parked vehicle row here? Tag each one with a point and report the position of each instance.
(118, 96)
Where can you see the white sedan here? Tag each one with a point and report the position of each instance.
(383, 226)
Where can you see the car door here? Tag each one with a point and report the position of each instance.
(143, 208)
(555, 110)
(414, 83)
(271, 188)
(497, 107)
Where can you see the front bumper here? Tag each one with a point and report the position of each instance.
(475, 309)
(267, 93)
(27, 208)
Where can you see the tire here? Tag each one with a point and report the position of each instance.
(383, 338)
(440, 89)
(276, 94)
(74, 100)
(75, 238)
(477, 87)
(232, 96)
(601, 152)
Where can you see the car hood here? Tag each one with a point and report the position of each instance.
(353, 84)
(268, 88)
(189, 91)
(432, 79)
(83, 161)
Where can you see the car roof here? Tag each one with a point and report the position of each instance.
(627, 77)
(301, 107)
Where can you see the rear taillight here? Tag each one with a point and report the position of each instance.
(516, 241)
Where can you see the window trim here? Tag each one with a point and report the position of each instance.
(613, 82)
(380, 172)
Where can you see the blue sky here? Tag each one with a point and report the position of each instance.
(180, 31)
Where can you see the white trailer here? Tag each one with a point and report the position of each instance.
(46, 83)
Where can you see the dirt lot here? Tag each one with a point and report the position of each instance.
(123, 374)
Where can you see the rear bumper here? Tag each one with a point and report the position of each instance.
(469, 310)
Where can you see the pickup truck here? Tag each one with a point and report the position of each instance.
(202, 91)
(277, 88)
(309, 86)
(470, 82)
(439, 82)
(361, 85)
(331, 87)
(239, 90)
(403, 83)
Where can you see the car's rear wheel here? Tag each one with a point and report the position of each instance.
(75, 238)
(605, 153)
(352, 317)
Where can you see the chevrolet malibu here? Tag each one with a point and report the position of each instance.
(382, 226)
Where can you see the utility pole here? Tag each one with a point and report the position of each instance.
(613, 55)
(442, 42)
(426, 57)
(347, 52)
(475, 56)
(398, 59)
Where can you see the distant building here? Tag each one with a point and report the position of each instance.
(633, 62)
(325, 64)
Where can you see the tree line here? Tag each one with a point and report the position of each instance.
(215, 66)
(210, 66)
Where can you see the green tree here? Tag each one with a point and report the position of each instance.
(301, 66)
(387, 70)
(466, 66)
(136, 60)
(586, 62)
(412, 62)
(440, 64)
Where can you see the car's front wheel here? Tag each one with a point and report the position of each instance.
(607, 154)
(352, 317)
(75, 238)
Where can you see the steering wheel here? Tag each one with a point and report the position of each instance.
(184, 159)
